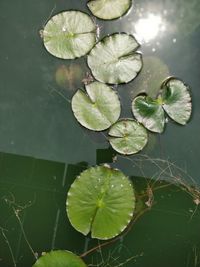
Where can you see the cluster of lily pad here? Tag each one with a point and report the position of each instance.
(113, 60)
(101, 201)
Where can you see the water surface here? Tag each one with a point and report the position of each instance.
(43, 147)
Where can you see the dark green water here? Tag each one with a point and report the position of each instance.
(43, 148)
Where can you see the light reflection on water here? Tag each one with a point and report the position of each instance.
(156, 23)
(149, 27)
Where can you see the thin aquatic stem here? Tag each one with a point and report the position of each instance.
(99, 246)
(9, 246)
(23, 232)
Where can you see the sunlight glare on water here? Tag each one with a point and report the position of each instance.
(146, 29)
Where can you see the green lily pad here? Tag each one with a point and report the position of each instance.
(177, 100)
(101, 201)
(114, 60)
(98, 109)
(109, 9)
(149, 112)
(69, 34)
(59, 258)
(128, 137)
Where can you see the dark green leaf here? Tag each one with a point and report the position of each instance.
(149, 112)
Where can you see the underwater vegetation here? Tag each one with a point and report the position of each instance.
(68, 76)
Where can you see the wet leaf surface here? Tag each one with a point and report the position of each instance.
(97, 108)
(128, 137)
(114, 60)
(177, 100)
(69, 34)
(101, 201)
(149, 112)
(109, 9)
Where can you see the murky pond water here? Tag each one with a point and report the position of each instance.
(43, 147)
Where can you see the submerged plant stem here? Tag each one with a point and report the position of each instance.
(9, 246)
(23, 232)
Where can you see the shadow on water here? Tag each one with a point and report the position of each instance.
(164, 229)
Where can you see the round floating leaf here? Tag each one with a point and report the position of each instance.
(114, 60)
(69, 34)
(101, 201)
(109, 9)
(177, 100)
(59, 258)
(128, 137)
(98, 109)
(149, 112)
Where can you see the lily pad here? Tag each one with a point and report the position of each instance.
(59, 258)
(177, 100)
(98, 108)
(149, 112)
(69, 34)
(114, 60)
(109, 9)
(101, 201)
(128, 137)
